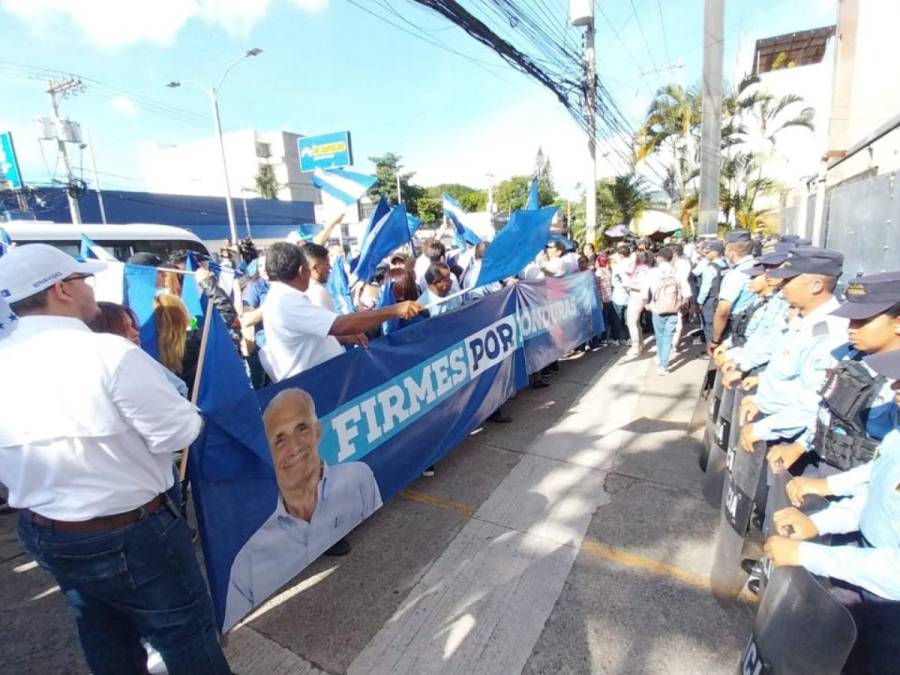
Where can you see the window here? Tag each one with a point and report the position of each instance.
(263, 150)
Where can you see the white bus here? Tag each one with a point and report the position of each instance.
(121, 240)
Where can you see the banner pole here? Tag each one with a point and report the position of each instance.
(195, 393)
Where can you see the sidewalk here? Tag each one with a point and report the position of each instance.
(573, 540)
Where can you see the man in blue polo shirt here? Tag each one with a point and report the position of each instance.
(734, 294)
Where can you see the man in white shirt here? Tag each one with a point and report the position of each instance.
(439, 285)
(317, 506)
(300, 335)
(433, 252)
(553, 264)
(90, 425)
(319, 270)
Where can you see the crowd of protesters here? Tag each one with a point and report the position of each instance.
(285, 318)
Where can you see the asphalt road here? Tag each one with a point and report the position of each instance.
(573, 540)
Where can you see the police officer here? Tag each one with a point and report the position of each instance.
(869, 572)
(788, 387)
(765, 327)
(857, 407)
(711, 275)
(734, 294)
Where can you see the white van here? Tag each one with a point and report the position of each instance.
(120, 240)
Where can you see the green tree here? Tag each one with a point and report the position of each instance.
(265, 184)
(430, 209)
(512, 193)
(387, 166)
(471, 199)
(672, 126)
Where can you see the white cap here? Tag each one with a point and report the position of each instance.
(30, 268)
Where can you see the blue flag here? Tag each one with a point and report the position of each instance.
(413, 222)
(386, 299)
(90, 249)
(381, 209)
(5, 241)
(140, 289)
(534, 201)
(227, 399)
(516, 245)
(190, 292)
(338, 286)
(388, 233)
(455, 214)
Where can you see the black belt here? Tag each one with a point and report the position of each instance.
(100, 523)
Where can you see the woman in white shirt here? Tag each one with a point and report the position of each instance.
(643, 262)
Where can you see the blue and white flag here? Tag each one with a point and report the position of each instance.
(5, 241)
(389, 233)
(455, 214)
(534, 200)
(345, 186)
(338, 286)
(190, 291)
(140, 290)
(90, 249)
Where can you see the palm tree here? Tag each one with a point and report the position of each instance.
(632, 195)
(673, 123)
(266, 185)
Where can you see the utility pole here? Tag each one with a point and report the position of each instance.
(65, 88)
(582, 14)
(490, 193)
(96, 178)
(229, 207)
(711, 119)
(399, 193)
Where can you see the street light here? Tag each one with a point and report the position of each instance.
(212, 93)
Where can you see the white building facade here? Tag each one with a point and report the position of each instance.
(196, 168)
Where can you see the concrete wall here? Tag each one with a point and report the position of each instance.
(866, 72)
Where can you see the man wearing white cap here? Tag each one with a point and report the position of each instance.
(90, 424)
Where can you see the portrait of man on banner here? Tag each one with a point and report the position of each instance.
(317, 505)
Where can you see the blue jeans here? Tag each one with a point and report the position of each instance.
(138, 581)
(664, 330)
(619, 320)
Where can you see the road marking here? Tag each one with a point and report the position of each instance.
(594, 548)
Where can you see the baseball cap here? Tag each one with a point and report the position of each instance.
(870, 295)
(29, 269)
(792, 238)
(810, 260)
(885, 363)
(714, 245)
(737, 235)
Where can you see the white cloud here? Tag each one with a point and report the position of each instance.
(124, 105)
(111, 24)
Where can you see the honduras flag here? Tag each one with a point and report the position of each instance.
(8, 320)
(534, 200)
(190, 292)
(388, 233)
(5, 241)
(345, 186)
(455, 214)
(90, 249)
(386, 299)
(338, 286)
(516, 245)
(140, 290)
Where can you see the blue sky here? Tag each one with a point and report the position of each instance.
(328, 65)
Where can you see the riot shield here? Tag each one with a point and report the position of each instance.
(715, 398)
(744, 471)
(715, 465)
(800, 629)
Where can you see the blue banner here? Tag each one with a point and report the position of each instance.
(327, 151)
(281, 475)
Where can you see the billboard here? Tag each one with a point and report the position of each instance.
(326, 151)
(10, 175)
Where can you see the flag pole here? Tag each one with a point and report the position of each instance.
(195, 393)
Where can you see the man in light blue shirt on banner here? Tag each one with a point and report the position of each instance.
(317, 506)
(869, 572)
(734, 293)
